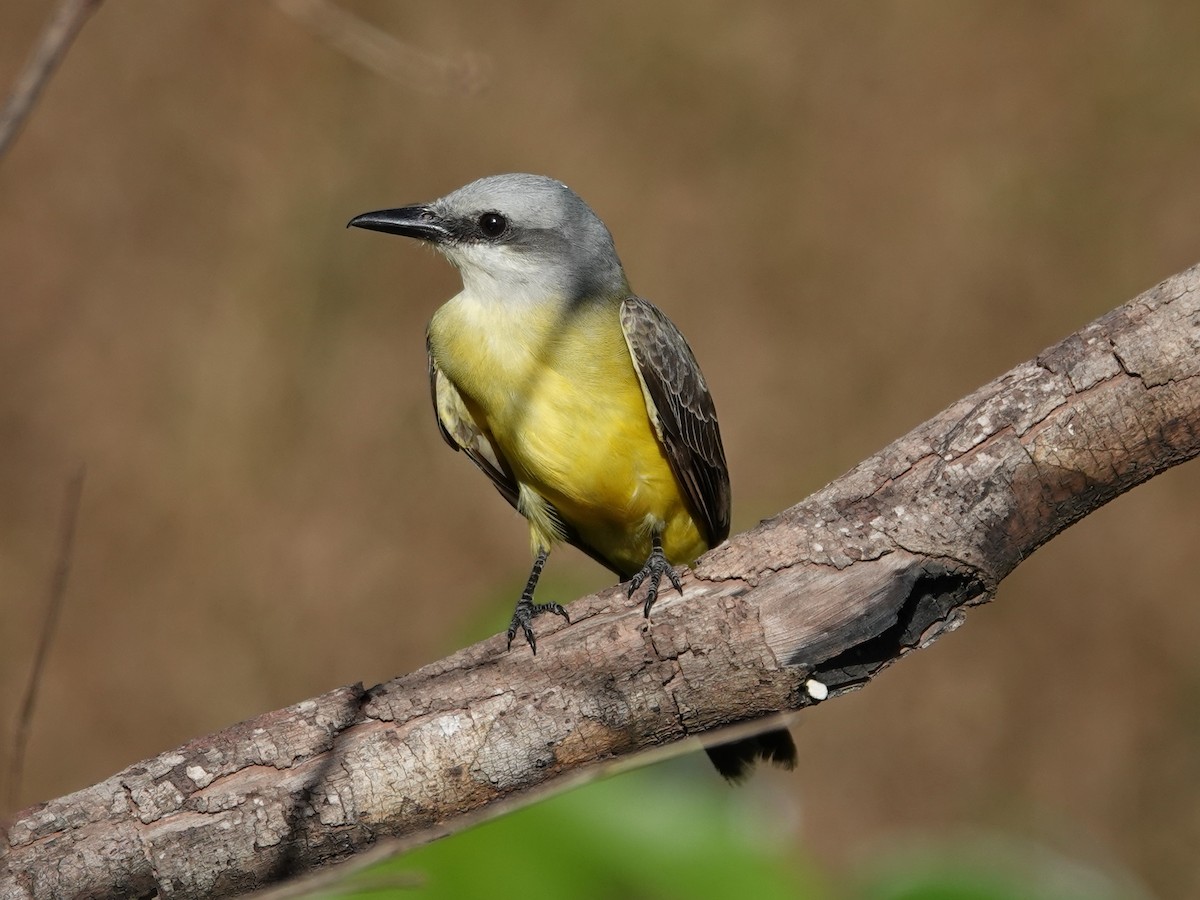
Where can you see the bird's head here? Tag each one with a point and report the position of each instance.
(514, 237)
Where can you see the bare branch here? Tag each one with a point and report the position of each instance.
(50, 49)
(813, 602)
(54, 603)
(383, 54)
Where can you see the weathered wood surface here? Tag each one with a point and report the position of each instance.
(834, 589)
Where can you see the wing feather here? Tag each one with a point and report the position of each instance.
(681, 411)
(462, 432)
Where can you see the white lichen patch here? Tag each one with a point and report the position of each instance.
(199, 776)
(451, 724)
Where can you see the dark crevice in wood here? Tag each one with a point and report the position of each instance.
(932, 597)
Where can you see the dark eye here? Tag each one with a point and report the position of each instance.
(492, 224)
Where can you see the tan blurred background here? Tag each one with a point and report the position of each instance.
(857, 212)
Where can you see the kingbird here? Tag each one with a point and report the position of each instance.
(579, 400)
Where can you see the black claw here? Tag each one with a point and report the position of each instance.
(651, 596)
(527, 609)
(523, 617)
(655, 568)
(675, 581)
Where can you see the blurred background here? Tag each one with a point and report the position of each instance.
(857, 213)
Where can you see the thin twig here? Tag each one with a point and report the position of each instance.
(54, 603)
(383, 54)
(50, 49)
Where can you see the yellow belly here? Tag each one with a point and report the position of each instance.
(595, 457)
(565, 408)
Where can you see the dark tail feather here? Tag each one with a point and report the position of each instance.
(736, 759)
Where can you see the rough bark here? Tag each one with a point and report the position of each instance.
(831, 591)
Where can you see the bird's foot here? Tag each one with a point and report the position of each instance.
(652, 572)
(523, 619)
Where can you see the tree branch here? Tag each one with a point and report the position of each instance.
(385, 55)
(52, 46)
(54, 604)
(823, 596)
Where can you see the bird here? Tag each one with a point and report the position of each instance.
(579, 400)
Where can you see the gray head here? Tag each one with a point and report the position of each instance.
(514, 237)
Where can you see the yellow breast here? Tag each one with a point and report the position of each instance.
(558, 393)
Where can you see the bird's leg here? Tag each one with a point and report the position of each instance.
(656, 566)
(527, 609)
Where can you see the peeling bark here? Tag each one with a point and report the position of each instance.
(833, 590)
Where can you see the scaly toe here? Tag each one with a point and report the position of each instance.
(651, 574)
(523, 619)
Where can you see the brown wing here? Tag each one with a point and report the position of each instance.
(682, 412)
